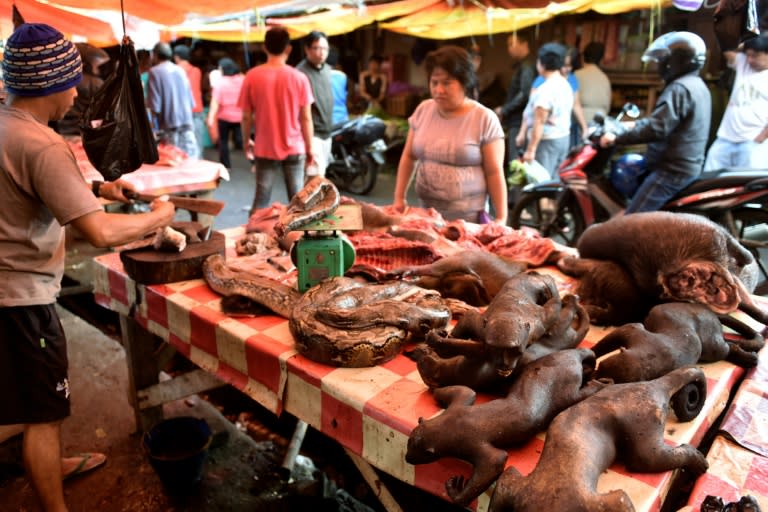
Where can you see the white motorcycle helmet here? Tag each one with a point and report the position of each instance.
(676, 54)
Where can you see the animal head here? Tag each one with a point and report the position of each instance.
(467, 287)
(420, 450)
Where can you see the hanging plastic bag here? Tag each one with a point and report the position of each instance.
(117, 136)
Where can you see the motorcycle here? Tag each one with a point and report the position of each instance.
(357, 153)
(595, 186)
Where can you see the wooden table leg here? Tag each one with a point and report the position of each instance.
(374, 482)
(142, 369)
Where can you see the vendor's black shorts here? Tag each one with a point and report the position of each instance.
(33, 366)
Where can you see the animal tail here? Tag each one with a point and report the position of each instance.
(687, 391)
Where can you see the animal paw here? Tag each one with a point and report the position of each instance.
(454, 487)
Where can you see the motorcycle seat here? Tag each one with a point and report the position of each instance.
(722, 179)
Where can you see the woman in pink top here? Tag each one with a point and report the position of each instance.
(224, 115)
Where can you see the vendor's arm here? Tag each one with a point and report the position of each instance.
(363, 90)
(578, 113)
(114, 190)
(307, 132)
(762, 136)
(212, 122)
(245, 128)
(520, 137)
(383, 90)
(493, 166)
(102, 229)
(540, 116)
(674, 105)
(404, 174)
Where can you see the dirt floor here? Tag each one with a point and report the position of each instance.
(243, 469)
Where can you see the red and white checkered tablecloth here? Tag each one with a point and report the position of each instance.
(738, 458)
(371, 411)
(746, 421)
(733, 472)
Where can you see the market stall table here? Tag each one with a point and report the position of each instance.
(179, 175)
(369, 411)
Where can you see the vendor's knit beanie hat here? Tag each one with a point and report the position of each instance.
(38, 61)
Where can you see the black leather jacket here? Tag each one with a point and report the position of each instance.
(518, 92)
(678, 128)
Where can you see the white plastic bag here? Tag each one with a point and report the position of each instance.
(536, 172)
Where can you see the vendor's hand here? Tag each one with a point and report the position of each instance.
(500, 222)
(164, 208)
(529, 156)
(607, 139)
(309, 161)
(115, 190)
(400, 206)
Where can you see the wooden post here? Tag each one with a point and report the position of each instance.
(142, 369)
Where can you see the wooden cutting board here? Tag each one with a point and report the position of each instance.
(149, 266)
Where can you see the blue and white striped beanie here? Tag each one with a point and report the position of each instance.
(38, 61)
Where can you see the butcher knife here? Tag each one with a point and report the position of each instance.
(192, 204)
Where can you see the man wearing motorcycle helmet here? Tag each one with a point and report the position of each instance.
(678, 128)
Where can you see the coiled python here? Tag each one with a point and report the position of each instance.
(340, 321)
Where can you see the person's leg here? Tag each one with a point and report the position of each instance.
(237, 136)
(199, 130)
(657, 188)
(224, 143)
(293, 173)
(188, 143)
(321, 153)
(42, 460)
(265, 170)
(550, 152)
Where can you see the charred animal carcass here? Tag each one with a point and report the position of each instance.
(481, 434)
(623, 422)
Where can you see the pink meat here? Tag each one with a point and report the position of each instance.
(523, 246)
(387, 252)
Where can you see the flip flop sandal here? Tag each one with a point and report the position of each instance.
(88, 462)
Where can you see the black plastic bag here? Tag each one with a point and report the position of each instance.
(117, 136)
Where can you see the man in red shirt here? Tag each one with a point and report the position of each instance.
(277, 128)
(195, 77)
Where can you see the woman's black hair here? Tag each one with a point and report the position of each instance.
(455, 61)
(228, 66)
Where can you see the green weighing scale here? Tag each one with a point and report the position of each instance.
(322, 251)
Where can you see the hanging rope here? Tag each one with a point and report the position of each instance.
(122, 16)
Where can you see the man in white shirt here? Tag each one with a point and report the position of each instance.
(594, 85)
(741, 138)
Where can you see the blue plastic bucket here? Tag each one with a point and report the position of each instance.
(177, 450)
